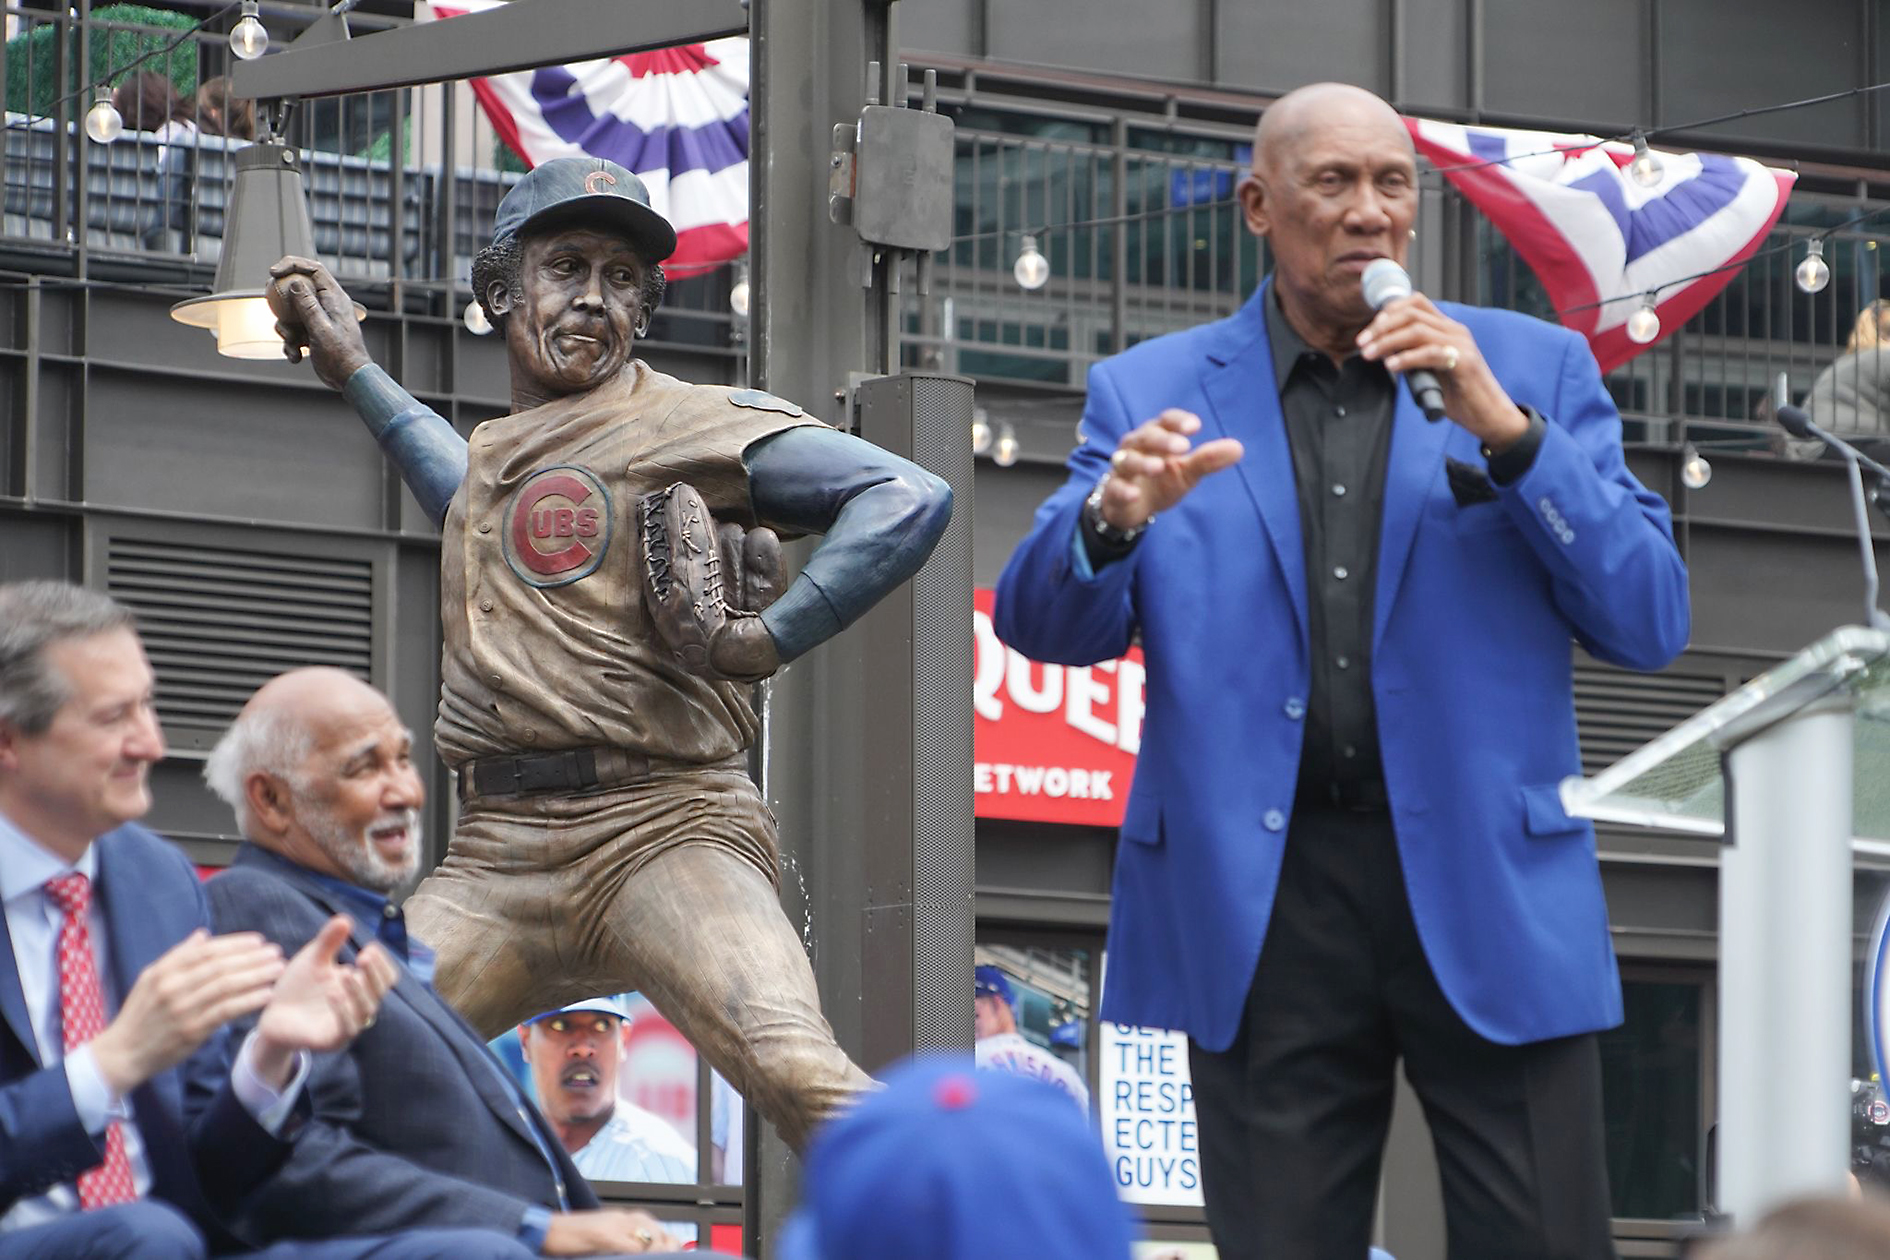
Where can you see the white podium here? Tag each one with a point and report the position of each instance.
(1793, 771)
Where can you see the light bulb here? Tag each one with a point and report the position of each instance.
(1813, 273)
(102, 121)
(1004, 452)
(1032, 269)
(248, 39)
(980, 431)
(1695, 472)
(475, 319)
(1646, 169)
(1643, 325)
(738, 297)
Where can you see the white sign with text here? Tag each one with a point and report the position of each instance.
(1146, 1107)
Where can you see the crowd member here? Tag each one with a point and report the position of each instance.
(417, 1125)
(948, 1163)
(1000, 1047)
(151, 102)
(1357, 630)
(1852, 1228)
(113, 994)
(1849, 396)
(220, 114)
(568, 692)
(575, 1054)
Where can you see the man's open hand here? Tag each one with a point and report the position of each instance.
(1155, 466)
(320, 1003)
(314, 311)
(197, 986)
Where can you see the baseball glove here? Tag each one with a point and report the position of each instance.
(705, 583)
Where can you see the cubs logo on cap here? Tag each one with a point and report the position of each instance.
(585, 188)
(558, 526)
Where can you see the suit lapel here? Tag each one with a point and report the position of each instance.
(1415, 461)
(13, 997)
(481, 1068)
(1244, 400)
(479, 1065)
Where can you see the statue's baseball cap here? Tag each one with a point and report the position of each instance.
(950, 1163)
(589, 189)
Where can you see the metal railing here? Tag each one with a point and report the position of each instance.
(402, 184)
(1713, 379)
(1139, 244)
(1142, 242)
(1139, 224)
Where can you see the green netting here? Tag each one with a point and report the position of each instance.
(33, 84)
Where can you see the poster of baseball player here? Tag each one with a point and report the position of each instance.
(610, 591)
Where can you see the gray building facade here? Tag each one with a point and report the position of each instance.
(247, 517)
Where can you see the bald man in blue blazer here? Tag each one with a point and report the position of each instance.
(1344, 844)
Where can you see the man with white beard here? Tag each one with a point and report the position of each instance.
(417, 1124)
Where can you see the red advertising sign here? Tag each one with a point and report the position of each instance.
(1053, 743)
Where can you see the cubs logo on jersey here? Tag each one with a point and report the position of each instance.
(558, 526)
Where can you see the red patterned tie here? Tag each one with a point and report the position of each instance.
(82, 1011)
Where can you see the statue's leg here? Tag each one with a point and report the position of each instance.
(486, 912)
(703, 931)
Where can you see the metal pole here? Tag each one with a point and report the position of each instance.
(813, 324)
(1785, 962)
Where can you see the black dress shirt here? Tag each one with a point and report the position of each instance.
(1338, 425)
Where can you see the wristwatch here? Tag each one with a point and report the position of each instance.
(1106, 533)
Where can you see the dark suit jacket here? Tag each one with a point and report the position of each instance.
(411, 1125)
(150, 899)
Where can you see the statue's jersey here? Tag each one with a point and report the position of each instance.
(1013, 1053)
(547, 644)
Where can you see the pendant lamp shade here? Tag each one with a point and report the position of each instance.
(267, 218)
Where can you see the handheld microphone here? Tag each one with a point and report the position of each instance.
(1385, 281)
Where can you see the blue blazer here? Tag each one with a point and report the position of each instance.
(150, 899)
(410, 1126)
(1474, 611)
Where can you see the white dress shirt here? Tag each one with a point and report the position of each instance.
(33, 922)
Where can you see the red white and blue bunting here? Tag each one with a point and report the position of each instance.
(1598, 240)
(678, 117)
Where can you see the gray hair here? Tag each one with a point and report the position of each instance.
(33, 617)
(271, 741)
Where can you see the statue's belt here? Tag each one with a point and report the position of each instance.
(571, 771)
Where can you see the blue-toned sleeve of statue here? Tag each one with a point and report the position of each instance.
(881, 516)
(431, 456)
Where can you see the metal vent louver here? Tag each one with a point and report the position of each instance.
(1617, 710)
(219, 623)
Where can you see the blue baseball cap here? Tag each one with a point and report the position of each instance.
(585, 188)
(990, 982)
(949, 1163)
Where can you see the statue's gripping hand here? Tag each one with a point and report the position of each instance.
(314, 312)
(706, 583)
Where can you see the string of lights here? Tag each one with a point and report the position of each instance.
(1811, 276)
(249, 39)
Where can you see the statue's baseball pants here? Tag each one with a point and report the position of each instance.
(666, 886)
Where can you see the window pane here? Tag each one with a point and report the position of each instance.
(1650, 1076)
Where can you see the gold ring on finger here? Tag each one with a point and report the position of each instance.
(1450, 358)
(645, 1237)
(1120, 458)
